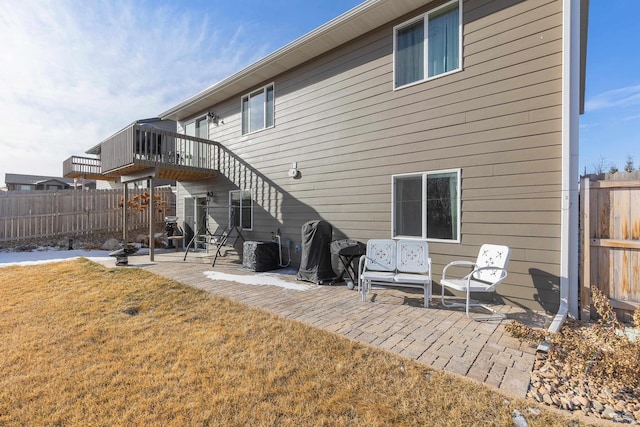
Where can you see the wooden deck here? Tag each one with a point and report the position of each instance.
(138, 148)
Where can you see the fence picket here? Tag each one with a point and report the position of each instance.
(57, 213)
(610, 239)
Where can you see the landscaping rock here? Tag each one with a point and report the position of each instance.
(552, 387)
(161, 240)
(111, 245)
(143, 239)
(597, 406)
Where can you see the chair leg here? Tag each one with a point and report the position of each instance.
(426, 296)
(495, 316)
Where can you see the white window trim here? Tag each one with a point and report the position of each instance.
(231, 206)
(424, 175)
(264, 90)
(425, 17)
(195, 119)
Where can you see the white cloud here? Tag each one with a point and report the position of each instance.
(74, 72)
(623, 97)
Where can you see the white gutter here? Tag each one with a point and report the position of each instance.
(569, 239)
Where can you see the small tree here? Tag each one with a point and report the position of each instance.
(628, 167)
(601, 166)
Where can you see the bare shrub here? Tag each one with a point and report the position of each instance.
(598, 354)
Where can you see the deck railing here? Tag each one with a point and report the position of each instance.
(77, 165)
(140, 144)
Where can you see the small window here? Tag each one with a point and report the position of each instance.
(427, 205)
(257, 110)
(428, 46)
(241, 209)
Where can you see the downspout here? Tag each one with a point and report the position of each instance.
(569, 238)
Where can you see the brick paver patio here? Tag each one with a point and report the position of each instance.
(393, 320)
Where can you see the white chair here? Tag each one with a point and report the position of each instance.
(397, 263)
(414, 266)
(489, 270)
(378, 265)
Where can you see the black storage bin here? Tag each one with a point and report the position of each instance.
(260, 256)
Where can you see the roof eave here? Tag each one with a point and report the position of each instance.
(348, 26)
(584, 30)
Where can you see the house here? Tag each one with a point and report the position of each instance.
(20, 182)
(454, 121)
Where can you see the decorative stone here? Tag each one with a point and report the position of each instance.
(620, 406)
(597, 406)
(581, 401)
(536, 395)
(546, 398)
(111, 245)
(566, 404)
(609, 413)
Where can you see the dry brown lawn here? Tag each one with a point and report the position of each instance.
(87, 345)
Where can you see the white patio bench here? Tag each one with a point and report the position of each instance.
(396, 263)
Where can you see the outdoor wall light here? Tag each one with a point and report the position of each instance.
(213, 118)
(294, 172)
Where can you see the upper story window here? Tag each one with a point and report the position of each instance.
(428, 46)
(257, 110)
(198, 128)
(426, 205)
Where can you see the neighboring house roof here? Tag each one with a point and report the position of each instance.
(346, 27)
(19, 179)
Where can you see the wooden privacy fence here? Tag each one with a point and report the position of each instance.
(610, 220)
(56, 213)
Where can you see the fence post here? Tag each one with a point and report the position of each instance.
(585, 271)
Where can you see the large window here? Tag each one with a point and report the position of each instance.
(257, 110)
(427, 205)
(195, 154)
(198, 128)
(241, 209)
(428, 46)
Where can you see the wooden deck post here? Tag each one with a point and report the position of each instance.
(125, 198)
(152, 209)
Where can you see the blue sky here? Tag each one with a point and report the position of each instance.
(610, 127)
(73, 72)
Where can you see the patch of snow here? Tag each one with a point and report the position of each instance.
(258, 279)
(518, 419)
(43, 256)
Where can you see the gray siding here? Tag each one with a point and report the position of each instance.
(499, 120)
